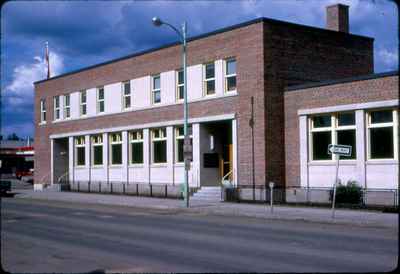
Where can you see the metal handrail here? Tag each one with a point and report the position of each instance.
(222, 181)
(61, 177)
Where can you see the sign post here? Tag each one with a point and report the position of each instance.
(271, 191)
(337, 150)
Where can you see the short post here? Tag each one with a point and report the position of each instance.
(334, 185)
(271, 192)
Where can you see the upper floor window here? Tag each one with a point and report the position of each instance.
(82, 103)
(382, 125)
(179, 85)
(56, 107)
(209, 78)
(136, 147)
(179, 142)
(97, 150)
(43, 111)
(116, 148)
(156, 89)
(126, 94)
(67, 106)
(100, 99)
(80, 151)
(329, 129)
(230, 75)
(159, 145)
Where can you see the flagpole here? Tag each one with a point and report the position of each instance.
(47, 60)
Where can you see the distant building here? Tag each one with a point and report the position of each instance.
(15, 157)
(121, 121)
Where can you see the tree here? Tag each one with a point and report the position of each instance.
(13, 137)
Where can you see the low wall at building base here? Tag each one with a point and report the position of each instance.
(136, 189)
(311, 196)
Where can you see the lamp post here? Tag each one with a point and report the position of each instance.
(182, 35)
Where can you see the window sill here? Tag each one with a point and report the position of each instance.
(136, 165)
(42, 123)
(349, 162)
(97, 166)
(230, 92)
(382, 162)
(80, 167)
(116, 166)
(159, 165)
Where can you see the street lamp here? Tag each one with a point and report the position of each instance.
(182, 35)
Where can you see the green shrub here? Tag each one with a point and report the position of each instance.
(347, 194)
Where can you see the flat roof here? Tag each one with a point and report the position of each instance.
(221, 30)
(342, 80)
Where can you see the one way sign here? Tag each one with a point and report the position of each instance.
(342, 150)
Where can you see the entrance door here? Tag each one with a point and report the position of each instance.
(226, 162)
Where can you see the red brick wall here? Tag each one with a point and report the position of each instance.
(384, 88)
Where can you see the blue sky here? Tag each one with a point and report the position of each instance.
(84, 33)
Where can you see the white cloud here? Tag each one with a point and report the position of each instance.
(388, 58)
(20, 90)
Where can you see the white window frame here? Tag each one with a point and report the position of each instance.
(393, 124)
(96, 140)
(57, 110)
(135, 136)
(179, 85)
(334, 128)
(180, 137)
(125, 96)
(112, 142)
(99, 101)
(79, 143)
(154, 90)
(226, 76)
(82, 104)
(162, 137)
(205, 80)
(67, 108)
(43, 111)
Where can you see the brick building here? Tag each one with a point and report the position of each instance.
(120, 121)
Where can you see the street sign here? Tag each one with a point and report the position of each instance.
(341, 150)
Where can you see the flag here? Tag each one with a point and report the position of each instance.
(47, 60)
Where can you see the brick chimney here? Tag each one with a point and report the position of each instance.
(337, 17)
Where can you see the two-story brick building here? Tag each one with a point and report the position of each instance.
(121, 121)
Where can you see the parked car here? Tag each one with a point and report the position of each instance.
(4, 187)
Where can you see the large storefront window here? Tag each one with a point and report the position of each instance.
(116, 148)
(97, 150)
(136, 147)
(159, 145)
(80, 151)
(328, 129)
(381, 135)
(179, 142)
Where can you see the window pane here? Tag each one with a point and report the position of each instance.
(67, 113)
(383, 116)
(156, 82)
(346, 119)
(210, 86)
(180, 150)
(320, 142)
(127, 102)
(231, 67)
(157, 97)
(127, 88)
(231, 83)
(67, 100)
(101, 106)
(83, 109)
(209, 71)
(137, 153)
(180, 77)
(57, 101)
(116, 154)
(98, 155)
(160, 152)
(80, 156)
(83, 97)
(322, 121)
(348, 138)
(101, 93)
(381, 143)
(181, 91)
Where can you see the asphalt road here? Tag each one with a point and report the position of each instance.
(41, 236)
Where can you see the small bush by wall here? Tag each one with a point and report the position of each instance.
(347, 194)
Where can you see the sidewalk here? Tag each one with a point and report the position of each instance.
(308, 214)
